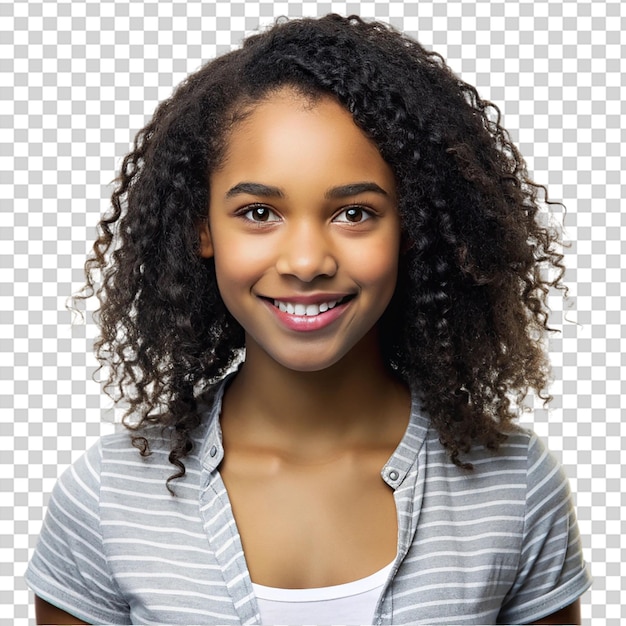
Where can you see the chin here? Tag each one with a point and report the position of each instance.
(306, 365)
(309, 361)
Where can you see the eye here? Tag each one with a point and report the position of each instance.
(259, 213)
(353, 215)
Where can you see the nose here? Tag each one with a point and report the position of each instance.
(306, 252)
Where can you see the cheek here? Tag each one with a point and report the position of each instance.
(377, 266)
(238, 265)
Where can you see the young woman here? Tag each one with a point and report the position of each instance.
(323, 295)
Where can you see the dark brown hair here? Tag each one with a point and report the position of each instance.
(469, 311)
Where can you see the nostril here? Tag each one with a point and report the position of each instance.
(307, 266)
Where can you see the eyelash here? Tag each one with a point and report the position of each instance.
(366, 212)
(253, 207)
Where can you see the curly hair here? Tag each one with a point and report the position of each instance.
(466, 321)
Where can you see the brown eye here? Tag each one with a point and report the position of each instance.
(260, 213)
(353, 215)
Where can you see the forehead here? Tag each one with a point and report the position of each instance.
(288, 134)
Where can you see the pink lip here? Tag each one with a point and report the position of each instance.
(308, 323)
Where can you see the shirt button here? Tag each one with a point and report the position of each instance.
(393, 475)
(213, 451)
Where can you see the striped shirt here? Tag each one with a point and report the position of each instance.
(498, 544)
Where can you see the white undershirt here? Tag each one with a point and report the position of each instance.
(351, 603)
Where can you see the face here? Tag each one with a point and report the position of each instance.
(304, 230)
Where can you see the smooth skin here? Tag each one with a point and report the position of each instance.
(303, 210)
(303, 207)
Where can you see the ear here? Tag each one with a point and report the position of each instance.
(206, 241)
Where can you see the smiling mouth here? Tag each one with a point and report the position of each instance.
(308, 310)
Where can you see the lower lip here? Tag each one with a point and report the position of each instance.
(308, 323)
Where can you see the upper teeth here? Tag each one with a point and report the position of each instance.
(304, 309)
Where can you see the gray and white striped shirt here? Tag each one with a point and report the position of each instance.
(498, 544)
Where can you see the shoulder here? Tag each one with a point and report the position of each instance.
(545, 477)
(520, 474)
(116, 464)
(522, 452)
(522, 449)
(114, 467)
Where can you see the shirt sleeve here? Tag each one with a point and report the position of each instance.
(552, 573)
(69, 567)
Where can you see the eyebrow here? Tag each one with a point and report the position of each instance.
(255, 189)
(268, 191)
(354, 189)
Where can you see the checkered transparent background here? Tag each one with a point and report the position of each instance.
(79, 79)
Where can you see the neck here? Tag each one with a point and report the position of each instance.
(357, 400)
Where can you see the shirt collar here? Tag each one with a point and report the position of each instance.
(210, 408)
(405, 455)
